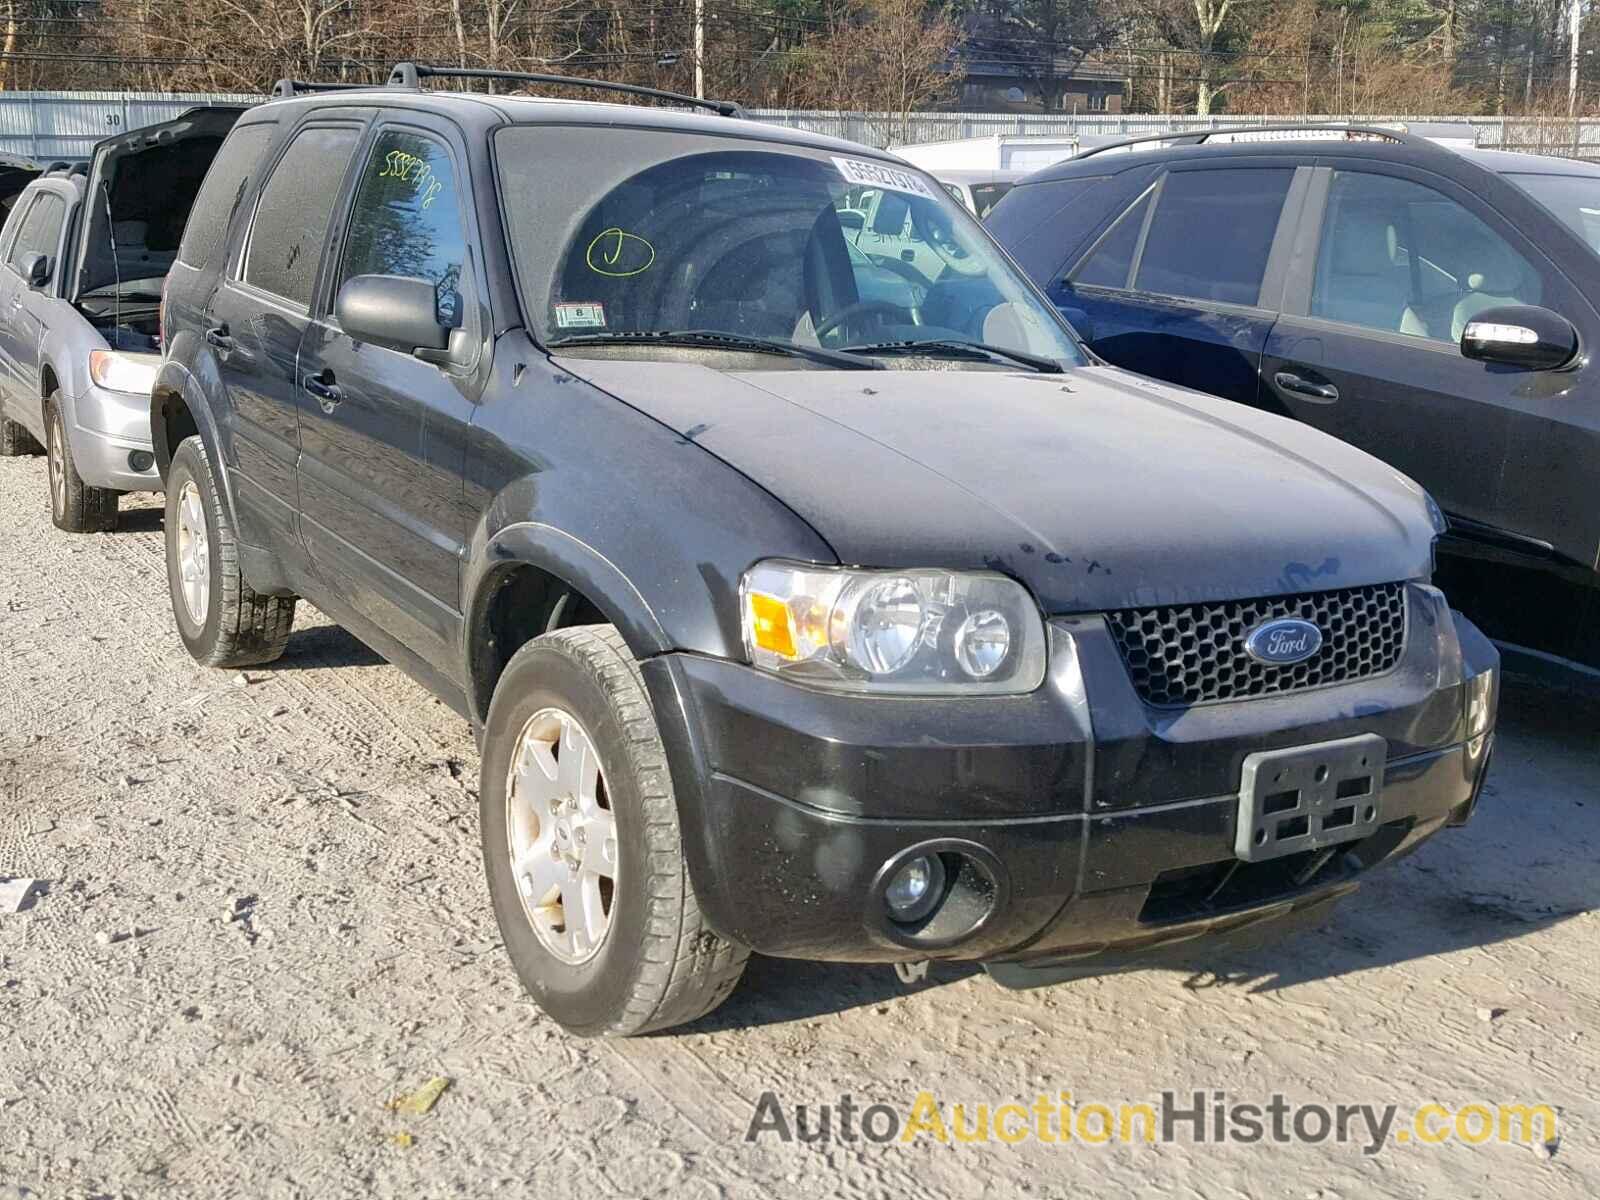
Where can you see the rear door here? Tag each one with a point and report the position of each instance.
(1392, 262)
(258, 315)
(1185, 284)
(384, 434)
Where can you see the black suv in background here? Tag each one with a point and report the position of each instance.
(793, 615)
(1435, 307)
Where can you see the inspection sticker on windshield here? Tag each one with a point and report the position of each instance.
(881, 175)
(581, 316)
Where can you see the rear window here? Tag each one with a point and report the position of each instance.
(1212, 232)
(224, 187)
(292, 219)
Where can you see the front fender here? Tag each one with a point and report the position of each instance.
(579, 565)
(174, 381)
(653, 529)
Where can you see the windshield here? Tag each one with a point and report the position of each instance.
(683, 233)
(1573, 198)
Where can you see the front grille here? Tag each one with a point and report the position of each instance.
(1194, 653)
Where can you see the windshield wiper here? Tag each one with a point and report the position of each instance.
(713, 337)
(954, 347)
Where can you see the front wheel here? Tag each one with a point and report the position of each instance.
(222, 620)
(582, 846)
(75, 506)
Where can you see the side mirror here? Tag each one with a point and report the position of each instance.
(37, 269)
(1520, 335)
(392, 311)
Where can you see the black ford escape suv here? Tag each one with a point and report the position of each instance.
(791, 619)
(1437, 307)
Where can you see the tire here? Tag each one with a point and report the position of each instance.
(234, 626)
(657, 963)
(74, 506)
(16, 441)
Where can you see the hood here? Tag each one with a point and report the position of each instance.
(1098, 488)
(141, 186)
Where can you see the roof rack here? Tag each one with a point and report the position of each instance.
(1198, 137)
(285, 88)
(410, 75)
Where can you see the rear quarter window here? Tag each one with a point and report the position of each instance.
(1034, 223)
(222, 192)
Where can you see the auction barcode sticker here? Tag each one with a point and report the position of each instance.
(882, 175)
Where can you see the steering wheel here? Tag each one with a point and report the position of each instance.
(855, 310)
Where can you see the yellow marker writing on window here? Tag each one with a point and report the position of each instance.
(619, 255)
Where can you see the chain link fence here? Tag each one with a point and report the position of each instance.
(65, 125)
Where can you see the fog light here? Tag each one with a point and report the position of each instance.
(141, 461)
(915, 889)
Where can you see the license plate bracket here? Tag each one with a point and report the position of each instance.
(1310, 797)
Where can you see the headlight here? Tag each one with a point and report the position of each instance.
(1482, 697)
(893, 631)
(123, 372)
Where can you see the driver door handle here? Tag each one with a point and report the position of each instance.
(327, 392)
(218, 336)
(1290, 382)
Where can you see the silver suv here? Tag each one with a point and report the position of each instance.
(83, 256)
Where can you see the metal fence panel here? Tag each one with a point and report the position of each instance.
(48, 125)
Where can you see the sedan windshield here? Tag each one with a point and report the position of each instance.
(1573, 198)
(670, 237)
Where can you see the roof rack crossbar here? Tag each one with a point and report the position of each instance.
(410, 75)
(1198, 137)
(286, 88)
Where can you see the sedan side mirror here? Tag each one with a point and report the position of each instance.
(1520, 335)
(37, 269)
(393, 311)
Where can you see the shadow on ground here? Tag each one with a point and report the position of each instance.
(322, 647)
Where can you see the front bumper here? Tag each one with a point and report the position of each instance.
(106, 430)
(1107, 826)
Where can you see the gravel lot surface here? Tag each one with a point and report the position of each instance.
(263, 919)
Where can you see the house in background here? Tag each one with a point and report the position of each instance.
(1080, 87)
(1002, 73)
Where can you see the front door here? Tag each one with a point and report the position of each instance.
(384, 434)
(20, 326)
(1368, 349)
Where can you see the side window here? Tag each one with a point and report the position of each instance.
(292, 218)
(407, 220)
(1108, 263)
(1212, 232)
(40, 232)
(1404, 258)
(225, 185)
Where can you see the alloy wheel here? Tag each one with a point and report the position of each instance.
(194, 554)
(562, 835)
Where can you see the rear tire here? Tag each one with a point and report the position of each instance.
(16, 441)
(223, 621)
(655, 963)
(75, 507)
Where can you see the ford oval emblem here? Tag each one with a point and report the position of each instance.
(1283, 642)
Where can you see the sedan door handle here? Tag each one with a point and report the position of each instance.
(1290, 382)
(218, 336)
(328, 394)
